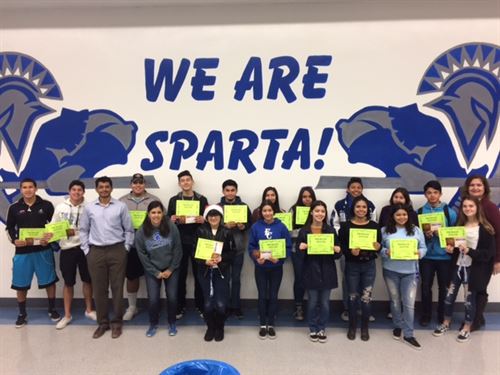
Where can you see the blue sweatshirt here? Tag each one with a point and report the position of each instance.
(263, 231)
(402, 266)
(434, 250)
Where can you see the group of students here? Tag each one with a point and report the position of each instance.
(107, 245)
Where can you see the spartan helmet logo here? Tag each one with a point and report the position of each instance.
(468, 78)
(23, 81)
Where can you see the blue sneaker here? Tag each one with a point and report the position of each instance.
(151, 331)
(172, 330)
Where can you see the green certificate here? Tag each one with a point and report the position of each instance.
(187, 208)
(286, 218)
(301, 214)
(320, 244)
(137, 218)
(362, 238)
(31, 233)
(58, 230)
(276, 247)
(449, 234)
(237, 213)
(432, 221)
(205, 249)
(404, 249)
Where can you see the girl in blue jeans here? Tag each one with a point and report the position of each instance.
(159, 248)
(268, 269)
(401, 275)
(320, 273)
(473, 262)
(360, 267)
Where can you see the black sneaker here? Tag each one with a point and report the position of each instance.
(271, 333)
(22, 320)
(313, 336)
(54, 316)
(322, 337)
(396, 333)
(411, 341)
(180, 313)
(262, 332)
(463, 336)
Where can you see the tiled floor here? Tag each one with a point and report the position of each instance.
(39, 348)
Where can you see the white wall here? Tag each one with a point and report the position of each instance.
(380, 52)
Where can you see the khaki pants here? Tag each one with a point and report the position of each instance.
(107, 266)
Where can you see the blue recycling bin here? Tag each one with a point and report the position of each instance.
(201, 367)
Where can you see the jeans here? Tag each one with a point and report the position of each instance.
(153, 285)
(215, 288)
(298, 268)
(187, 254)
(461, 276)
(235, 284)
(361, 277)
(318, 308)
(428, 268)
(345, 287)
(268, 282)
(402, 288)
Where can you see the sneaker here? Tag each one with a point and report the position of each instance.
(322, 337)
(299, 313)
(389, 316)
(371, 318)
(271, 332)
(180, 314)
(313, 336)
(262, 332)
(63, 322)
(463, 336)
(172, 330)
(54, 316)
(440, 330)
(91, 315)
(396, 333)
(151, 331)
(22, 320)
(344, 316)
(200, 313)
(412, 342)
(130, 313)
(238, 313)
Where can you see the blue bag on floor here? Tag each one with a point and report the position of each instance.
(201, 367)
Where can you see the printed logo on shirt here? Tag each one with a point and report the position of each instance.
(268, 233)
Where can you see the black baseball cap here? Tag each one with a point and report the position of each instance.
(137, 177)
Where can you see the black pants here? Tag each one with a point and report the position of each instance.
(429, 268)
(188, 254)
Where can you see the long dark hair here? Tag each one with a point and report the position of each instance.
(484, 180)
(391, 223)
(303, 189)
(462, 219)
(315, 204)
(405, 194)
(277, 204)
(148, 227)
(266, 203)
(355, 201)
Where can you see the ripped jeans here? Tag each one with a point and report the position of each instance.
(460, 276)
(360, 278)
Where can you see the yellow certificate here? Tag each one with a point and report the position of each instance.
(432, 221)
(320, 244)
(205, 249)
(276, 247)
(404, 249)
(187, 208)
(237, 213)
(448, 235)
(35, 233)
(362, 238)
(301, 214)
(58, 230)
(286, 218)
(137, 218)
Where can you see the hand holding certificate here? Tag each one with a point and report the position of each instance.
(59, 230)
(206, 249)
(404, 249)
(320, 244)
(189, 209)
(277, 248)
(451, 235)
(431, 222)
(364, 239)
(137, 218)
(301, 214)
(31, 236)
(237, 213)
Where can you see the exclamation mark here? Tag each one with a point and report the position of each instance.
(326, 138)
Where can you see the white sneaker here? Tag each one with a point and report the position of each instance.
(91, 315)
(130, 313)
(63, 322)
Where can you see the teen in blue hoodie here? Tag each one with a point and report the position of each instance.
(436, 261)
(268, 270)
